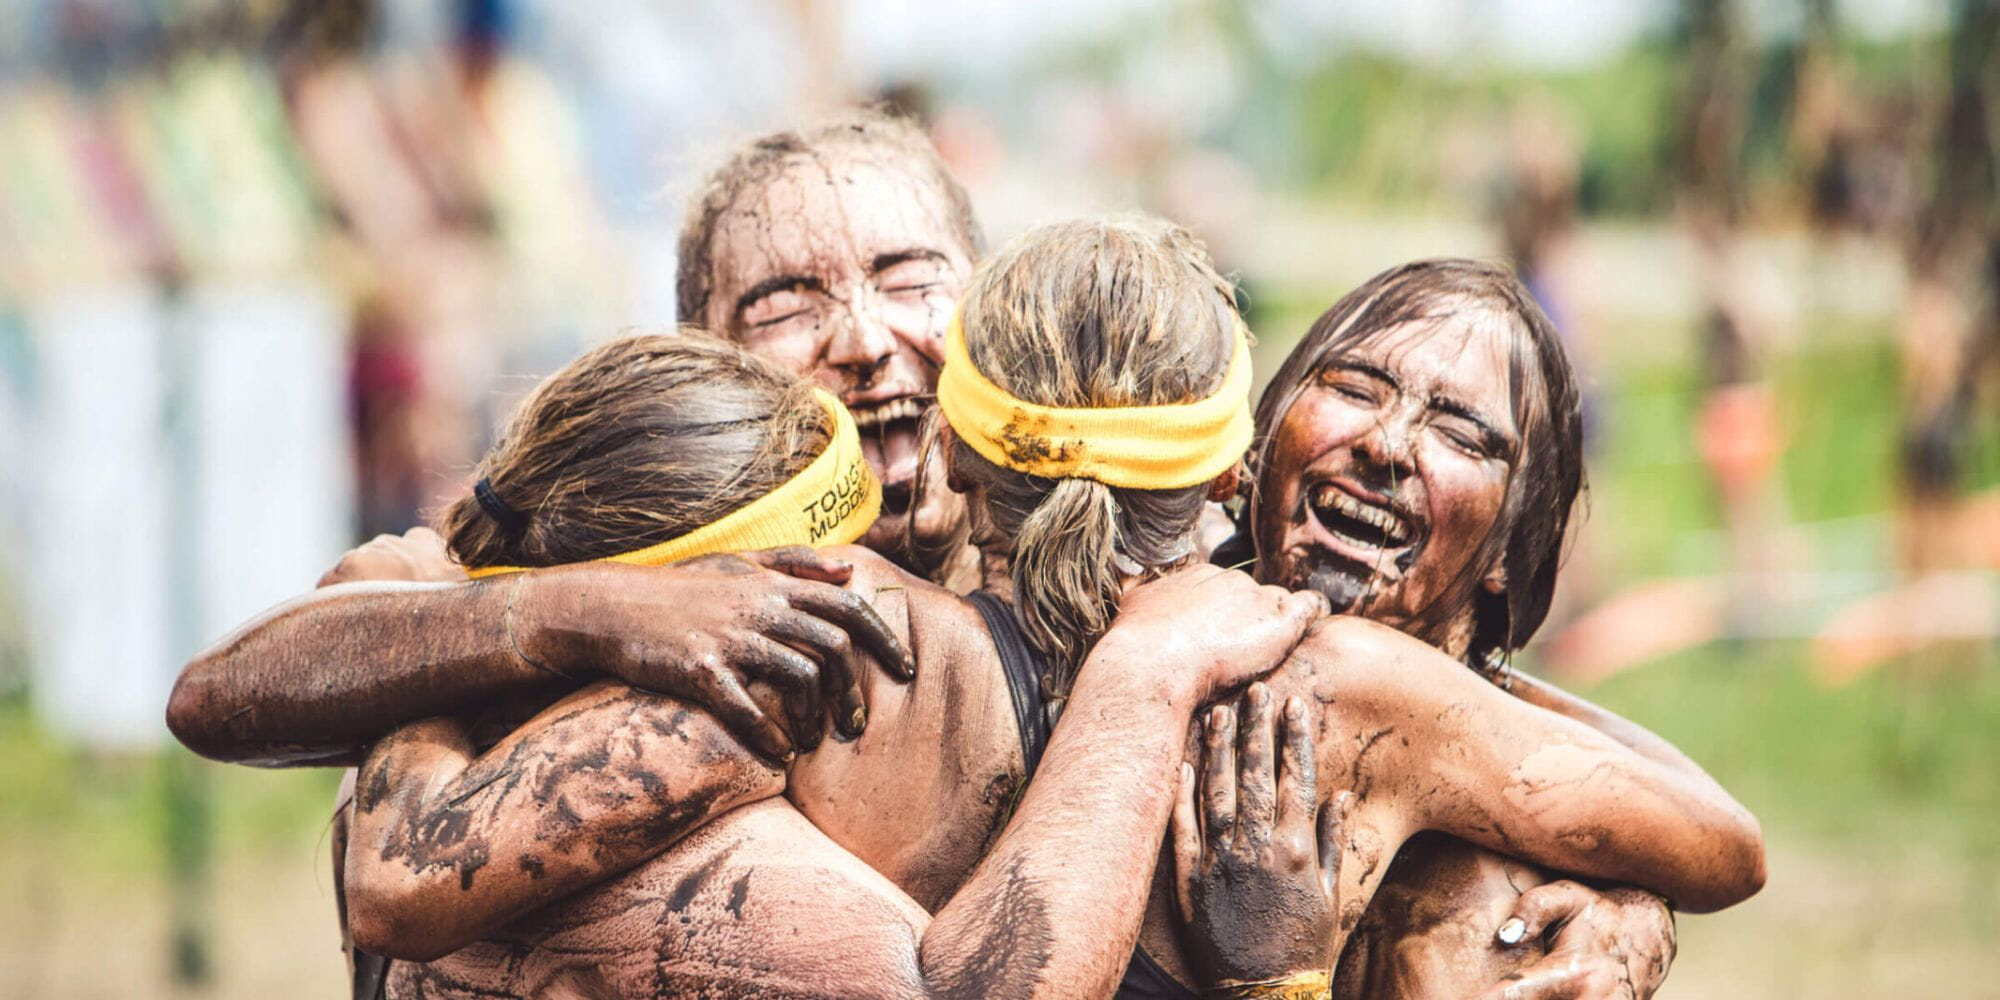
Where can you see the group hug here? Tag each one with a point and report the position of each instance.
(920, 619)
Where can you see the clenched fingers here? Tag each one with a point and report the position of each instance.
(1218, 783)
(805, 563)
(1298, 768)
(840, 666)
(796, 678)
(849, 613)
(1186, 835)
(1256, 785)
(1543, 907)
(724, 695)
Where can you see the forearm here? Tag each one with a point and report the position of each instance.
(1078, 853)
(449, 846)
(314, 680)
(1525, 781)
(1638, 738)
(1559, 794)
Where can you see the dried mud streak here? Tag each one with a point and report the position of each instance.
(1360, 783)
(1012, 951)
(557, 767)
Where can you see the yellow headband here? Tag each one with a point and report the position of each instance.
(833, 501)
(1137, 447)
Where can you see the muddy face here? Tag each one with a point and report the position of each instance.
(1389, 471)
(847, 270)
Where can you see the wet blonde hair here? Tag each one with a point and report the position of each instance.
(1124, 311)
(639, 441)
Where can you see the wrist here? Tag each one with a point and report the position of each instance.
(532, 618)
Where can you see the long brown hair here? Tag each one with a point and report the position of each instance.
(1544, 477)
(636, 442)
(1125, 311)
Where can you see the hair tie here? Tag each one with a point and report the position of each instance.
(509, 519)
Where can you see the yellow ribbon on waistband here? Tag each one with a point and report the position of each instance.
(1298, 986)
(1137, 447)
(832, 501)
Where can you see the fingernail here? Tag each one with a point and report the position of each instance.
(857, 719)
(1511, 931)
(1259, 694)
(1217, 717)
(790, 755)
(1295, 709)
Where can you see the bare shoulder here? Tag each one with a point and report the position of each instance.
(1352, 636)
(1363, 655)
(920, 611)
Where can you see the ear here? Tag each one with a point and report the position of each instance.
(1495, 582)
(947, 450)
(1224, 488)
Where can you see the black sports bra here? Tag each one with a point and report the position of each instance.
(1024, 667)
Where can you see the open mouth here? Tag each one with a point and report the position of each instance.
(889, 442)
(1368, 532)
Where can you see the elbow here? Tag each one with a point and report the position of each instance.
(1736, 870)
(392, 921)
(188, 716)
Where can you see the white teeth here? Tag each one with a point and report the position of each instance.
(1328, 497)
(896, 409)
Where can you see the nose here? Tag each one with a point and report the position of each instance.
(1386, 447)
(862, 340)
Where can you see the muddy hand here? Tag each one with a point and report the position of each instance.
(1218, 629)
(1615, 943)
(704, 628)
(417, 555)
(1256, 878)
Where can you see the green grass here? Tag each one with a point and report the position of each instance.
(110, 814)
(1904, 755)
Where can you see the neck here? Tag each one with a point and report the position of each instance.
(961, 572)
(996, 572)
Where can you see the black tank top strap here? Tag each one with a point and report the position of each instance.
(1145, 980)
(1024, 668)
(371, 976)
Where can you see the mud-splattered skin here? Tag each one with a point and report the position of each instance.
(1385, 475)
(878, 873)
(1425, 744)
(1411, 430)
(845, 267)
(1430, 931)
(1421, 742)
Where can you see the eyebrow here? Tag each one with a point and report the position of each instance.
(1495, 438)
(1364, 368)
(774, 285)
(885, 261)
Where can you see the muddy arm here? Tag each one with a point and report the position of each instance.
(1542, 694)
(447, 846)
(316, 679)
(1520, 780)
